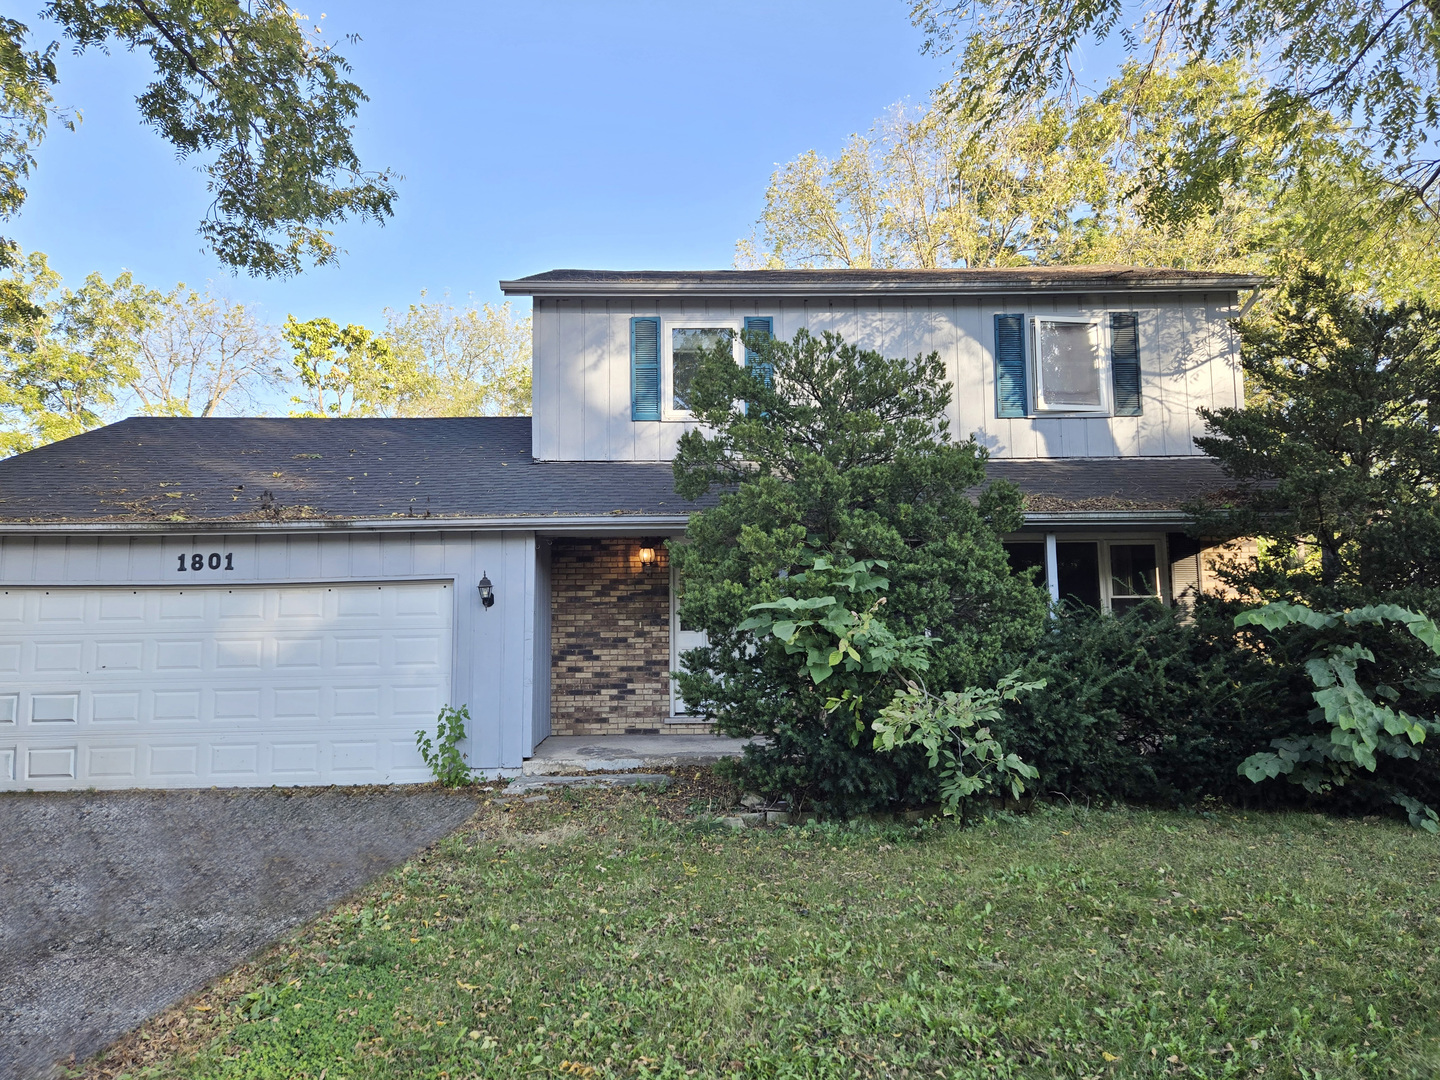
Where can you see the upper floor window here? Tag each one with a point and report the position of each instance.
(1055, 364)
(1068, 364)
(688, 346)
(664, 359)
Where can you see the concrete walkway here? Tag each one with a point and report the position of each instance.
(627, 753)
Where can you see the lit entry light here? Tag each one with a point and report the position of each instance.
(487, 591)
(647, 556)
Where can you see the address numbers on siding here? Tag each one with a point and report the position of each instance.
(199, 561)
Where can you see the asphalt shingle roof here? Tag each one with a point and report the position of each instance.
(153, 468)
(160, 469)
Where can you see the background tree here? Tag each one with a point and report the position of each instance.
(1375, 65)
(249, 88)
(839, 454)
(1337, 451)
(202, 355)
(475, 361)
(349, 371)
(1071, 182)
(66, 354)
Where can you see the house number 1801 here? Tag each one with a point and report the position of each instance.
(200, 562)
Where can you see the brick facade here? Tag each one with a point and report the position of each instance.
(610, 639)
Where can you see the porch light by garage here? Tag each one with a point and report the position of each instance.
(487, 591)
(647, 556)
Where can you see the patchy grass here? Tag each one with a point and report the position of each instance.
(613, 934)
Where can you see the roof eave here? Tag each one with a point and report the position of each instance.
(563, 289)
(1108, 517)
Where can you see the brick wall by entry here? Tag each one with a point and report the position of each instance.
(610, 639)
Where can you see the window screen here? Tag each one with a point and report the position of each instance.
(1133, 578)
(1068, 365)
(687, 348)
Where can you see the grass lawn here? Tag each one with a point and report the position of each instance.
(614, 934)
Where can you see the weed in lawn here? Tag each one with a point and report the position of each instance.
(616, 934)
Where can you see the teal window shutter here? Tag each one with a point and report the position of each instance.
(1125, 361)
(761, 324)
(644, 369)
(1010, 396)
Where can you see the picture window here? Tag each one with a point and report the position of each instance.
(688, 345)
(1069, 364)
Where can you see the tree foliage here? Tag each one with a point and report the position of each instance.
(475, 360)
(1337, 452)
(1093, 180)
(347, 371)
(1376, 64)
(830, 460)
(65, 354)
(247, 88)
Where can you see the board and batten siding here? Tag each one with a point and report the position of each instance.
(493, 666)
(1189, 357)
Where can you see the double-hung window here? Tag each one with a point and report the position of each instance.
(666, 354)
(1067, 365)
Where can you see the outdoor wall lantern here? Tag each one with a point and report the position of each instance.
(487, 591)
(647, 556)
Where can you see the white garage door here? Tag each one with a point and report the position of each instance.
(231, 687)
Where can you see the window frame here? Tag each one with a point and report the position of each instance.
(1107, 576)
(1104, 373)
(1103, 541)
(734, 323)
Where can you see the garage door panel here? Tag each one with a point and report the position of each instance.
(237, 705)
(62, 607)
(121, 607)
(115, 708)
(119, 656)
(214, 687)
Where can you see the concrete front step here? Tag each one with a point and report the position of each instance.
(567, 754)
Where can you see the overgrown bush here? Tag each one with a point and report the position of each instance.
(1167, 707)
(1156, 705)
(820, 450)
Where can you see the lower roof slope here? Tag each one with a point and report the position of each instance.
(159, 470)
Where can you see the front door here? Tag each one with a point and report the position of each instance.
(682, 638)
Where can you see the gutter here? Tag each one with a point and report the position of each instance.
(1110, 517)
(609, 524)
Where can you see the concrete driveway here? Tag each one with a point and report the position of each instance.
(114, 905)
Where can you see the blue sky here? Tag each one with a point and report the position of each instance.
(531, 135)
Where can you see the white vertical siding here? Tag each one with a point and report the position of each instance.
(494, 666)
(1188, 356)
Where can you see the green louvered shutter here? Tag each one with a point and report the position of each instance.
(762, 324)
(1010, 396)
(644, 369)
(1125, 361)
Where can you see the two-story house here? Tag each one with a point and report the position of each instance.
(198, 602)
